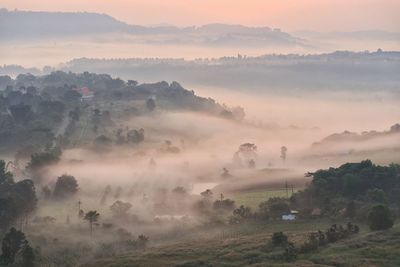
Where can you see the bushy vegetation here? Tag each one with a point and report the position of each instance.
(380, 218)
(17, 199)
(351, 190)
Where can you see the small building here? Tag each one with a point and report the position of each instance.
(86, 93)
(292, 216)
(316, 212)
(289, 217)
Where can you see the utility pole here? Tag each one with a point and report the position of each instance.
(287, 190)
(79, 208)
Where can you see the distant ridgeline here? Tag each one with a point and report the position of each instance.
(347, 136)
(36, 111)
(340, 70)
(17, 25)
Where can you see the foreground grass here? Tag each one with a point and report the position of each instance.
(368, 249)
(364, 249)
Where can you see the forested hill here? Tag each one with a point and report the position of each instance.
(62, 86)
(35, 110)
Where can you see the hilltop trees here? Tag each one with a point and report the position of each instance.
(37, 112)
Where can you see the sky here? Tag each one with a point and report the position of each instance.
(289, 15)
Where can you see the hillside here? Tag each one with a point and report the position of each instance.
(365, 249)
(347, 136)
(34, 110)
(376, 145)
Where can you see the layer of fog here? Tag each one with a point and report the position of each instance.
(52, 52)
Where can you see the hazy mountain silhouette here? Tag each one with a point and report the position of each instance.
(16, 25)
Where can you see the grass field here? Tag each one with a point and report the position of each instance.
(253, 198)
(365, 249)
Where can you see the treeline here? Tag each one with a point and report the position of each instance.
(287, 250)
(361, 192)
(355, 190)
(17, 199)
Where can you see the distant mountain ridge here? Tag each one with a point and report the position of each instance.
(356, 35)
(25, 24)
(348, 136)
(15, 25)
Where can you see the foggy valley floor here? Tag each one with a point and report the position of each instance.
(97, 171)
(144, 143)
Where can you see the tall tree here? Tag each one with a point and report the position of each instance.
(66, 186)
(120, 209)
(151, 104)
(13, 241)
(92, 217)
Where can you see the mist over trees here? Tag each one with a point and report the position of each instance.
(338, 71)
(40, 112)
(210, 145)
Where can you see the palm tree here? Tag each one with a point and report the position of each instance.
(92, 217)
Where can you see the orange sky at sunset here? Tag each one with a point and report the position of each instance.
(290, 15)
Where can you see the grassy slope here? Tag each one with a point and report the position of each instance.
(365, 249)
(368, 249)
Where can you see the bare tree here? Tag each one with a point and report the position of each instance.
(283, 153)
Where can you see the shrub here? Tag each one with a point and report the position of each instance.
(311, 244)
(380, 218)
(279, 239)
(290, 253)
(224, 205)
(333, 234)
